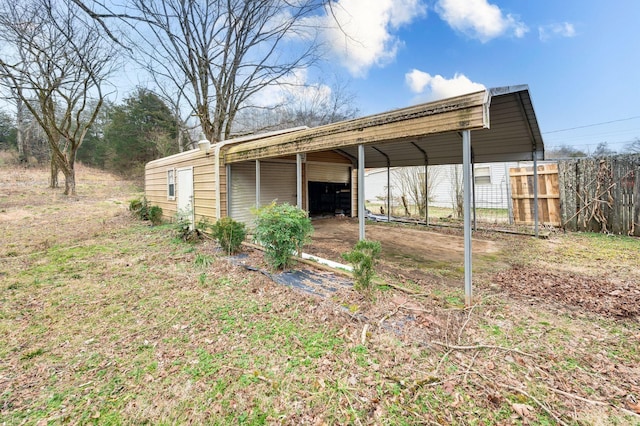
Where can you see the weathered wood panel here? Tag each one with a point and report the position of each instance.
(328, 157)
(601, 194)
(522, 195)
(455, 114)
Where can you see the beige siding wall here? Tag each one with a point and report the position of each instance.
(204, 181)
(204, 188)
(354, 192)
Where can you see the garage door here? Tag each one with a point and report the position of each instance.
(277, 183)
(243, 191)
(325, 172)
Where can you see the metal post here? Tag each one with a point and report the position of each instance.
(466, 178)
(257, 184)
(299, 180)
(388, 192)
(508, 188)
(229, 191)
(361, 217)
(473, 189)
(426, 192)
(535, 192)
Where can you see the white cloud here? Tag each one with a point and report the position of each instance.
(431, 88)
(479, 19)
(359, 33)
(564, 29)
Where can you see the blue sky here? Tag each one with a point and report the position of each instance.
(581, 59)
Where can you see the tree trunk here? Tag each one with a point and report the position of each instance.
(179, 138)
(23, 152)
(406, 207)
(53, 182)
(70, 182)
(69, 170)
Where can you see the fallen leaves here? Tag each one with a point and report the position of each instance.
(598, 295)
(633, 404)
(524, 411)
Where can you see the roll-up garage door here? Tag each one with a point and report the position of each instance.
(278, 183)
(243, 191)
(326, 172)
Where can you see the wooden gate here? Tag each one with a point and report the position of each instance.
(522, 195)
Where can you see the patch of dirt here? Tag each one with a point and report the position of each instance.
(336, 236)
(597, 295)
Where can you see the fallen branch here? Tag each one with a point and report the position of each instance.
(579, 398)
(389, 315)
(405, 290)
(363, 337)
(465, 323)
(474, 347)
(594, 402)
(534, 399)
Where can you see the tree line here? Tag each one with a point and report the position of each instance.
(208, 65)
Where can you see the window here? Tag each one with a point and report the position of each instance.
(171, 184)
(482, 175)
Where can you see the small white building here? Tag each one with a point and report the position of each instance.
(491, 184)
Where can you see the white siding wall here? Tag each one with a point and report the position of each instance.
(492, 195)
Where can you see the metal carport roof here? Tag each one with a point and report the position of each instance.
(502, 122)
(487, 126)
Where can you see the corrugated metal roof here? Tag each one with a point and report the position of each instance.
(502, 121)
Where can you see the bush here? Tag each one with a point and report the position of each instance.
(144, 211)
(140, 208)
(229, 233)
(363, 258)
(282, 230)
(155, 215)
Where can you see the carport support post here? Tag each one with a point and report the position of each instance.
(466, 178)
(426, 192)
(535, 192)
(299, 180)
(361, 191)
(257, 184)
(388, 191)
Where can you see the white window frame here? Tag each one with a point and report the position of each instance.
(482, 175)
(171, 184)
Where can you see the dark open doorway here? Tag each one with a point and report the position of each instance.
(329, 199)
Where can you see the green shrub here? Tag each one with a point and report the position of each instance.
(184, 230)
(363, 258)
(141, 209)
(155, 215)
(229, 233)
(282, 230)
(203, 260)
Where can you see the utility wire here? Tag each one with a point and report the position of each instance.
(591, 125)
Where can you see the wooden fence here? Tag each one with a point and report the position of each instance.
(522, 195)
(601, 194)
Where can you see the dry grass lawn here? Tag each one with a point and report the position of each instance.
(106, 320)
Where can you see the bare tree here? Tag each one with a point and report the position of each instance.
(56, 64)
(457, 190)
(633, 147)
(412, 185)
(603, 150)
(303, 105)
(226, 50)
